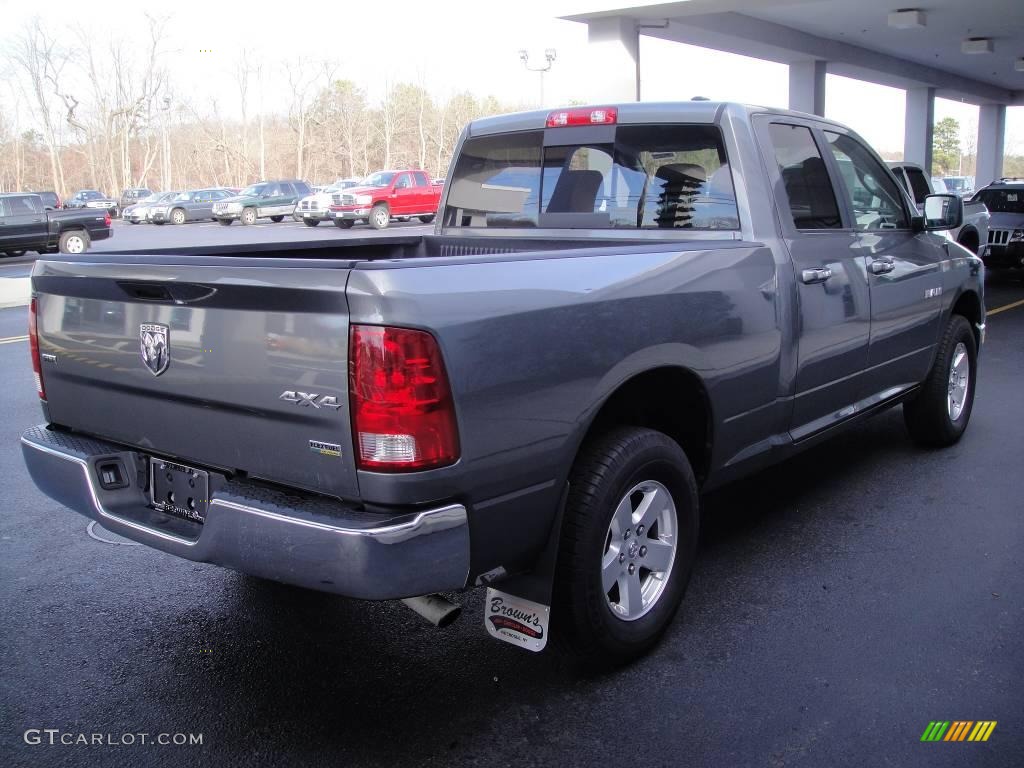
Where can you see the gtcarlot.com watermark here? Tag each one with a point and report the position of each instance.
(57, 737)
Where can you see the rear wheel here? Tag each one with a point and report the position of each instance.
(178, 216)
(938, 415)
(426, 219)
(629, 537)
(343, 223)
(277, 219)
(248, 216)
(225, 222)
(380, 216)
(15, 254)
(73, 242)
(311, 222)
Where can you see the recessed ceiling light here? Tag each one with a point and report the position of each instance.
(977, 45)
(908, 18)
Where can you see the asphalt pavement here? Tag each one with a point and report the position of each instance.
(840, 603)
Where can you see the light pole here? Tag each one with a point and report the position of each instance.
(166, 108)
(549, 58)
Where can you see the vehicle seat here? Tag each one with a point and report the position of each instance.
(810, 189)
(675, 187)
(575, 192)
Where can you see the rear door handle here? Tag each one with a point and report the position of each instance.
(811, 276)
(882, 266)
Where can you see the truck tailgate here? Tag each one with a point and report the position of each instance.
(239, 368)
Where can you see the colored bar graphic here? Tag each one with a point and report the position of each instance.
(958, 730)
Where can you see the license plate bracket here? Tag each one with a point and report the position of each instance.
(179, 490)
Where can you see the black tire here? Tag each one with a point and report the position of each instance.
(133, 221)
(583, 622)
(343, 223)
(380, 216)
(312, 222)
(928, 416)
(248, 216)
(159, 223)
(74, 241)
(15, 254)
(277, 219)
(225, 222)
(426, 219)
(178, 216)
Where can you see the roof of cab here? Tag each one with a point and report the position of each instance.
(639, 112)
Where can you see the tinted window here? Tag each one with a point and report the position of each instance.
(812, 201)
(403, 181)
(302, 188)
(877, 202)
(649, 177)
(919, 184)
(421, 179)
(1002, 200)
(23, 205)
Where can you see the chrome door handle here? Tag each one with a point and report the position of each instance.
(882, 266)
(811, 276)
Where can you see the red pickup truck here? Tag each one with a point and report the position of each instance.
(387, 195)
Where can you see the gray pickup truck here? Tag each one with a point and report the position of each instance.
(620, 308)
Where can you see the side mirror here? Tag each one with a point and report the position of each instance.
(943, 212)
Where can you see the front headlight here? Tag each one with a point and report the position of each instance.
(364, 199)
(1017, 236)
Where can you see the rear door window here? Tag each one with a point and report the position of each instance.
(421, 179)
(812, 200)
(635, 177)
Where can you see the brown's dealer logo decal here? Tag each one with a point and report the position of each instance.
(515, 620)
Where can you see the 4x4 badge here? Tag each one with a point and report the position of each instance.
(155, 346)
(309, 398)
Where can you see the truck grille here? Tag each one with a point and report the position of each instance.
(344, 199)
(220, 207)
(310, 205)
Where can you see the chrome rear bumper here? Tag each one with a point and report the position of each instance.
(308, 541)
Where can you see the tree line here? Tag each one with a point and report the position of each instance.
(102, 116)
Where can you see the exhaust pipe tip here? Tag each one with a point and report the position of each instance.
(437, 609)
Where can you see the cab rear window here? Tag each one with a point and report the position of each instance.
(635, 177)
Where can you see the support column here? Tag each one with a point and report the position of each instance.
(991, 136)
(807, 87)
(615, 52)
(919, 127)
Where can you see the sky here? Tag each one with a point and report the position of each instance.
(455, 45)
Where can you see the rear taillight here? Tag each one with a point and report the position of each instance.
(33, 343)
(106, 220)
(583, 116)
(403, 416)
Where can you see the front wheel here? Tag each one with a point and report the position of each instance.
(73, 242)
(380, 216)
(311, 222)
(277, 219)
(343, 223)
(629, 537)
(248, 216)
(938, 414)
(177, 216)
(426, 219)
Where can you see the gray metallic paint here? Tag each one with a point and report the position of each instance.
(535, 341)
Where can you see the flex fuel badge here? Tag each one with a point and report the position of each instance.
(517, 621)
(325, 449)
